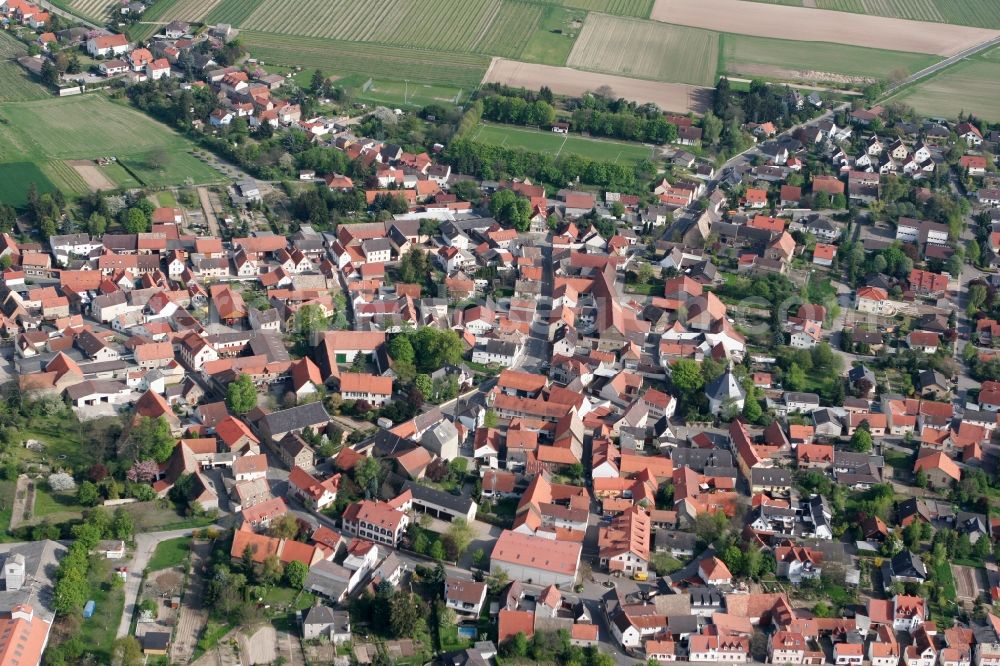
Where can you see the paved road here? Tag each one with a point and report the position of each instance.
(145, 544)
(937, 67)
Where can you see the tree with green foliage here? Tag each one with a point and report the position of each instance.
(404, 614)
(122, 525)
(87, 494)
(861, 440)
(308, 324)
(295, 574)
(752, 410)
(127, 652)
(241, 395)
(424, 384)
(134, 220)
(460, 534)
(437, 550)
(511, 210)
(154, 439)
(686, 377)
(367, 475)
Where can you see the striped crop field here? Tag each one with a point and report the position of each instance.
(99, 10)
(16, 85)
(977, 13)
(646, 50)
(442, 25)
(639, 8)
(233, 12)
(190, 11)
(510, 30)
(375, 60)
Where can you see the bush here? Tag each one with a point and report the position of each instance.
(61, 482)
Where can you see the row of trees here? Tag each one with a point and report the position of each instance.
(518, 111)
(492, 162)
(625, 124)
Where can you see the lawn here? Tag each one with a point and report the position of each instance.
(91, 126)
(169, 553)
(15, 177)
(820, 61)
(379, 61)
(280, 598)
(409, 94)
(646, 50)
(970, 86)
(554, 36)
(98, 632)
(166, 199)
(560, 144)
(54, 507)
(6, 506)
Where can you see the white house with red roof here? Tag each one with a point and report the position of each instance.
(102, 46)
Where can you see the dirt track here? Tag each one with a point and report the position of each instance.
(820, 25)
(677, 97)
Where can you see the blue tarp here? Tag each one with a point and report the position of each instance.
(88, 609)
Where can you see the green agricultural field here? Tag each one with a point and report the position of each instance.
(91, 126)
(15, 177)
(442, 25)
(554, 36)
(640, 8)
(340, 58)
(561, 144)
(978, 13)
(971, 86)
(646, 50)
(16, 84)
(65, 177)
(233, 12)
(510, 30)
(818, 61)
(96, 10)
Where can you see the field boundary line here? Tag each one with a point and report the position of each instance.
(563, 144)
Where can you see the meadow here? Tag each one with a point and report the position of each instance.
(976, 13)
(646, 50)
(87, 127)
(376, 60)
(560, 144)
(553, 38)
(16, 84)
(821, 61)
(15, 177)
(971, 86)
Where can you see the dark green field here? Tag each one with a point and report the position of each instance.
(16, 177)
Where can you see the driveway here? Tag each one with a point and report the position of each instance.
(145, 544)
